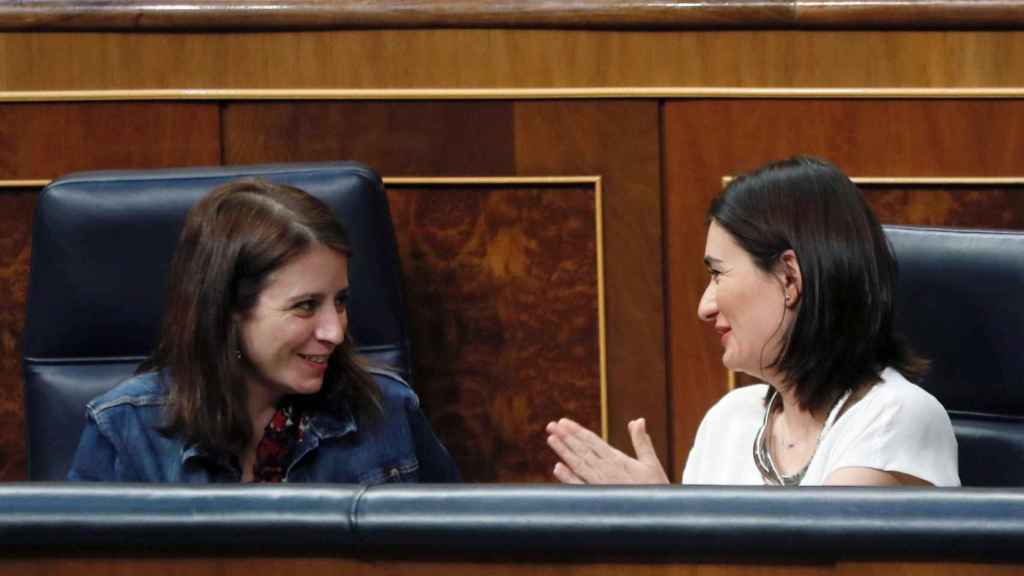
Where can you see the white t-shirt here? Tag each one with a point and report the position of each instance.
(895, 427)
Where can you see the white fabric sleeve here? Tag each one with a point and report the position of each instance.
(909, 434)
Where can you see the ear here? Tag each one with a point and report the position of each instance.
(790, 278)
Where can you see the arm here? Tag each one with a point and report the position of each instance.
(872, 477)
(95, 459)
(587, 459)
(436, 464)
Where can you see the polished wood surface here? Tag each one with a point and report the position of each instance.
(504, 314)
(618, 140)
(437, 60)
(707, 140)
(319, 14)
(226, 566)
(46, 140)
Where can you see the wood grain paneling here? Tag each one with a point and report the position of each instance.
(16, 208)
(134, 15)
(482, 58)
(399, 139)
(619, 141)
(504, 314)
(47, 140)
(615, 140)
(706, 140)
(972, 206)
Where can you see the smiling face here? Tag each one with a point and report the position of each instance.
(298, 320)
(746, 305)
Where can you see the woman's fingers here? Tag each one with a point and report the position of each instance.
(642, 443)
(649, 469)
(572, 456)
(565, 475)
(587, 440)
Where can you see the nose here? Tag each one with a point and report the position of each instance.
(331, 325)
(707, 309)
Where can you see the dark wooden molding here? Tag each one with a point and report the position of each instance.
(153, 15)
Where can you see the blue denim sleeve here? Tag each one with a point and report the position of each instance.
(436, 464)
(95, 459)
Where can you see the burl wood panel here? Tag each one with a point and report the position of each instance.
(47, 140)
(504, 314)
(616, 140)
(973, 206)
(706, 140)
(16, 208)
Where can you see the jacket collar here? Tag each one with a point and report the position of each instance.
(322, 424)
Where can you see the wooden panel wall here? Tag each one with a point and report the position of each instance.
(504, 311)
(514, 102)
(437, 59)
(706, 140)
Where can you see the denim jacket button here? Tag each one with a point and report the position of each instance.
(394, 474)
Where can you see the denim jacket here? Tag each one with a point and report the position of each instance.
(122, 442)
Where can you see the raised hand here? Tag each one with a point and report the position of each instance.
(587, 459)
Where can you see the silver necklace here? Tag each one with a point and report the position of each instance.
(763, 457)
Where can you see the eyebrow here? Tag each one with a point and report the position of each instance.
(316, 295)
(709, 261)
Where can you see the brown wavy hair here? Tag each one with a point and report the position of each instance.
(233, 239)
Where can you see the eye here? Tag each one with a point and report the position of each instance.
(715, 274)
(341, 301)
(306, 306)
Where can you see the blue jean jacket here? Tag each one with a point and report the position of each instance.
(122, 442)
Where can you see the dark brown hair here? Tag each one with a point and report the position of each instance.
(232, 240)
(843, 335)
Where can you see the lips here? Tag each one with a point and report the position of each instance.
(722, 333)
(318, 359)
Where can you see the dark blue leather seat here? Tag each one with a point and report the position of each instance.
(101, 246)
(960, 301)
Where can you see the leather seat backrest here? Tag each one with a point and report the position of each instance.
(960, 302)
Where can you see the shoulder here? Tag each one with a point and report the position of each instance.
(143, 390)
(742, 400)
(394, 390)
(740, 406)
(903, 399)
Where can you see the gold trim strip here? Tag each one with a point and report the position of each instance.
(927, 181)
(594, 181)
(24, 183)
(502, 93)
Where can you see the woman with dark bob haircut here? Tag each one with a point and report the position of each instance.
(254, 377)
(801, 295)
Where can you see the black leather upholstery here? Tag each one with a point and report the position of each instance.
(568, 523)
(960, 301)
(101, 246)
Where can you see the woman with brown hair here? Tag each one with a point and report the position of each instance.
(254, 377)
